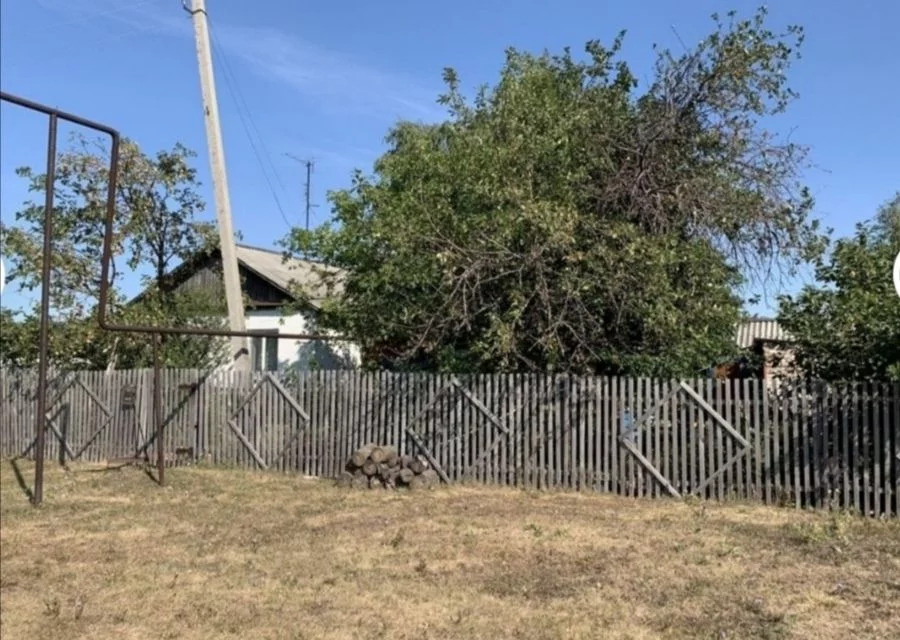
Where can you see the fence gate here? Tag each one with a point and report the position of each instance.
(683, 444)
(267, 421)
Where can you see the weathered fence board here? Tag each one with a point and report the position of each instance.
(813, 445)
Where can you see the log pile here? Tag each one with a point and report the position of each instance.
(381, 467)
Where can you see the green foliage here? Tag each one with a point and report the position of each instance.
(156, 203)
(564, 221)
(847, 327)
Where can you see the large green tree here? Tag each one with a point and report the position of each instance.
(847, 325)
(566, 220)
(157, 205)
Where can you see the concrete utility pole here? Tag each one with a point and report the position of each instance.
(230, 272)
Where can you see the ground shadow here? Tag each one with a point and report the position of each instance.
(20, 479)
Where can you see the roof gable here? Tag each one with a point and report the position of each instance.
(267, 279)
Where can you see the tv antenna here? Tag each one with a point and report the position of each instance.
(309, 164)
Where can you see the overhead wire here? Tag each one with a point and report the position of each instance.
(243, 101)
(246, 118)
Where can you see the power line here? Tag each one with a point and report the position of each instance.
(234, 92)
(243, 101)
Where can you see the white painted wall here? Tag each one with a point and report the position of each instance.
(305, 354)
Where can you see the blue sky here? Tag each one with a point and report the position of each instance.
(326, 80)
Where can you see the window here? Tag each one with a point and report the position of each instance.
(264, 351)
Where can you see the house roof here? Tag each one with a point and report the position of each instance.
(271, 266)
(756, 329)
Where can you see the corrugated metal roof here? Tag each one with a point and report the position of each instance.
(283, 274)
(753, 329)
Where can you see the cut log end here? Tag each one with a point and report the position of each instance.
(362, 454)
(345, 480)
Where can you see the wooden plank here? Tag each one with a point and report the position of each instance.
(466, 430)
(584, 453)
(856, 446)
(478, 404)
(247, 444)
(777, 429)
(504, 400)
(796, 462)
(543, 430)
(306, 394)
(746, 409)
(890, 436)
(842, 435)
(720, 471)
(818, 429)
(453, 430)
(829, 451)
(878, 482)
(713, 413)
(559, 430)
(649, 467)
(696, 439)
(703, 432)
(567, 467)
(485, 439)
(683, 446)
(728, 412)
(600, 420)
(764, 427)
(425, 451)
(628, 401)
(670, 420)
(659, 429)
(717, 445)
(895, 454)
(807, 431)
(534, 429)
(866, 441)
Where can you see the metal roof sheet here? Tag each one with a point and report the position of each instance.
(753, 329)
(308, 275)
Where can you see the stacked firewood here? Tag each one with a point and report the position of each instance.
(381, 467)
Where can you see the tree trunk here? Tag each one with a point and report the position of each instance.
(360, 456)
(417, 466)
(417, 482)
(376, 483)
(431, 478)
(404, 461)
(345, 479)
(369, 468)
(406, 475)
(388, 455)
(378, 455)
(360, 482)
(390, 478)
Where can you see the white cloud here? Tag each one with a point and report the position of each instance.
(335, 81)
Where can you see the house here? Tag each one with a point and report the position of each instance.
(770, 343)
(267, 281)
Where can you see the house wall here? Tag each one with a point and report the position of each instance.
(779, 361)
(305, 355)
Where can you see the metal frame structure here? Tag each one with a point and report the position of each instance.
(54, 116)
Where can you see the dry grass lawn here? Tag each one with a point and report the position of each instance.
(233, 554)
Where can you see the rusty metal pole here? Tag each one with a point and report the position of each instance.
(157, 413)
(40, 418)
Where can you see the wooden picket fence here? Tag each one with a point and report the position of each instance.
(805, 444)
